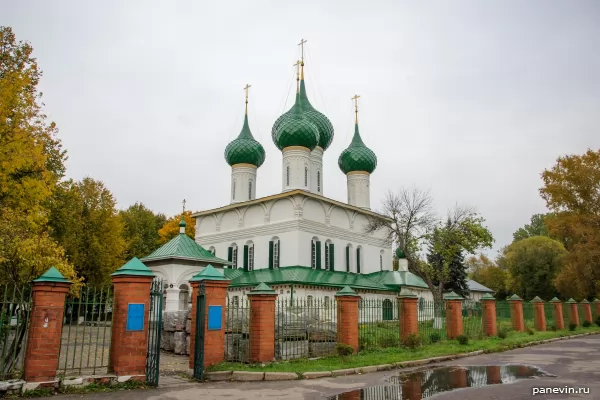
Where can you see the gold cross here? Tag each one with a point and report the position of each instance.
(355, 98)
(184, 205)
(246, 90)
(301, 44)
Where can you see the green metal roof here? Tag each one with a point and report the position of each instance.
(571, 301)
(555, 300)
(133, 267)
(262, 288)
(317, 118)
(357, 157)
(209, 273)
(346, 291)
(487, 296)
(584, 301)
(397, 278)
(183, 248)
(52, 275)
(452, 296)
(245, 149)
(537, 299)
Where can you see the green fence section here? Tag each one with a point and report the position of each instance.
(305, 327)
(432, 321)
(86, 334)
(503, 320)
(15, 312)
(472, 322)
(549, 316)
(378, 325)
(237, 328)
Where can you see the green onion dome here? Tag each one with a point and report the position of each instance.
(245, 149)
(317, 118)
(357, 157)
(294, 129)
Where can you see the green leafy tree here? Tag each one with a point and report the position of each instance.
(85, 222)
(141, 227)
(537, 227)
(457, 271)
(486, 272)
(533, 264)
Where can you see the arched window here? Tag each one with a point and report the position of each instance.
(381, 253)
(250, 190)
(233, 190)
(274, 248)
(421, 303)
(326, 302)
(212, 250)
(184, 295)
(249, 256)
(348, 258)
(287, 175)
(236, 302)
(319, 181)
(305, 176)
(358, 259)
(232, 255)
(309, 300)
(315, 253)
(329, 255)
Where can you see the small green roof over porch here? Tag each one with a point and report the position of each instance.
(182, 247)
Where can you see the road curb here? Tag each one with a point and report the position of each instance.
(246, 376)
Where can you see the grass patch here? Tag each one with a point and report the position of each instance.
(398, 354)
(90, 388)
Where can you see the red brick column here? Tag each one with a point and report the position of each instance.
(262, 323)
(516, 313)
(215, 289)
(597, 303)
(45, 326)
(573, 312)
(353, 395)
(539, 315)
(493, 374)
(408, 315)
(458, 378)
(347, 317)
(454, 319)
(558, 314)
(488, 315)
(129, 348)
(587, 311)
(411, 389)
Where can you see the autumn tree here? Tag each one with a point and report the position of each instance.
(141, 227)
(31, 164)
(533, 264)
(85, 222)
(572, 192)
(170, 229)
(488, 273)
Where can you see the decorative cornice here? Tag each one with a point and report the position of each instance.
(242, 165)
(358, 173)
(291, 148)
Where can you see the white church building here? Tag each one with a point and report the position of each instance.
(299, 242)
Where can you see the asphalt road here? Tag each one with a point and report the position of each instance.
(575, 362)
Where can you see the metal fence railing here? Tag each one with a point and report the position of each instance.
(432, 321)
(378, 325)
(305, 327)
(472, 322)
(528, 315)
(549, 316)
(14, 323)
(237, 328)
(566, 314)
(503, 320)
(86, 334)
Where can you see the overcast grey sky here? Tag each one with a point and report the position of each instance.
(471, 99)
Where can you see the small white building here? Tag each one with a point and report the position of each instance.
(477, 290)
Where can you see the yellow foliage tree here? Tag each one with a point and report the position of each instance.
(171, 228)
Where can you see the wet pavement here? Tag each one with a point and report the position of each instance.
(575, 363)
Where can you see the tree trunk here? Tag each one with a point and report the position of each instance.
(438, 320)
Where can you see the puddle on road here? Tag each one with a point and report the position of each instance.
(426, 383)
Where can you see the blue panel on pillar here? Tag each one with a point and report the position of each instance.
(135, 317)
(215, 318)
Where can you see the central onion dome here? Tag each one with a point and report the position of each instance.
(294, 129)
(245, 149)
(316, 118)
(357, 157)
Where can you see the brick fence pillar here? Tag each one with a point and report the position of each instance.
(454, 318)
(488, 316)
(573, 312)
(45, 326)
(408, 316)
(557, 313)
(411, 389)
(347, 317)
(493, 374)
(131, 311)
(539, 315)
(516, 313)
(587, 310)
(262, 323)
(215, 291)
(597, 303)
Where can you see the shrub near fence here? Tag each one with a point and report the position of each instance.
(14, 322)
(86, 334)
(305, 327)
(237, 323)
(378, 325)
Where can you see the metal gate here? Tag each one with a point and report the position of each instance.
(199, 341)
(154, 332)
